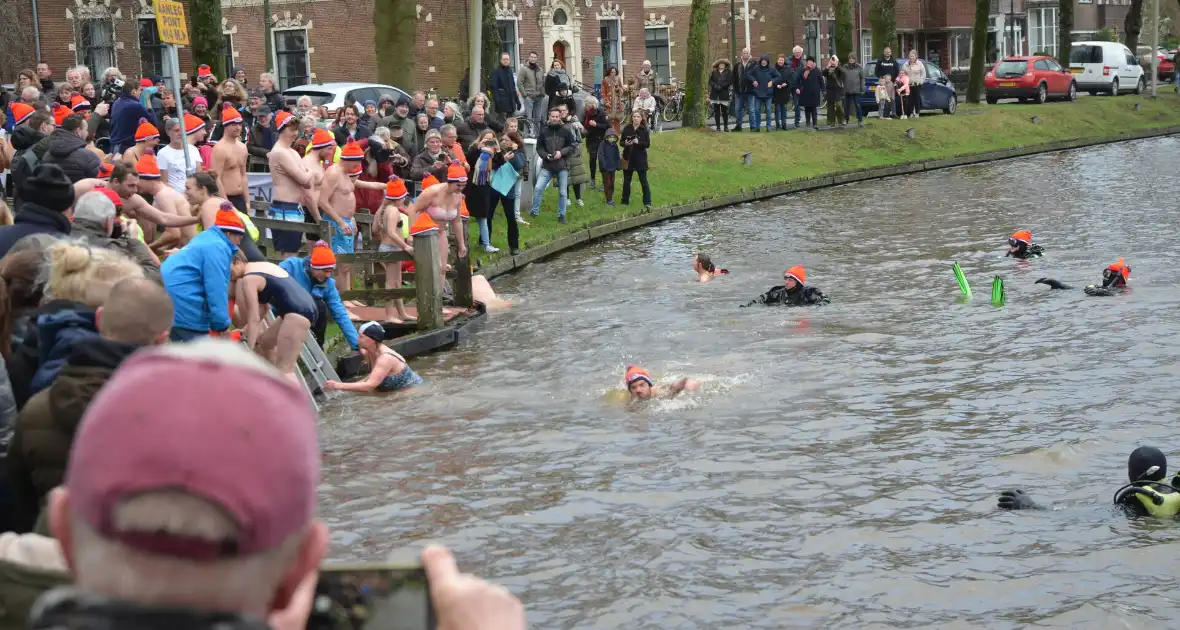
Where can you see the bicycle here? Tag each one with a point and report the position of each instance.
(674, 107)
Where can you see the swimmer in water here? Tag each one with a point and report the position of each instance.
(1020, 245)
(792, 292)
(388, 370)
(641, 386)
(703, 266)
(1115, 276)
(1147, 494)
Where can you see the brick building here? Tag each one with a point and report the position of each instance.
(332, 40)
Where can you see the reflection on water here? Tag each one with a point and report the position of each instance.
(841, 465)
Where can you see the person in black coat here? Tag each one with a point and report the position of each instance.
(743, 91)
(67, 149)
(887, 65)
(47, 195)
(595, 124)
(349, 126)
(720, 93)
(783, 88)
(762, 79)
(810, 89)
(504, 96)
(636, 140)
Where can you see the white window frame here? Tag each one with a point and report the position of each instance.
(1048, 45)
(866, 45)
(80, 54)
(274, 34)
(514, 46)
(619, 45)
(955, 52)
(668, 46)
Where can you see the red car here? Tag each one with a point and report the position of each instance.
(1036, 79)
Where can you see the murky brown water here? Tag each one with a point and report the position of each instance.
(840, 468)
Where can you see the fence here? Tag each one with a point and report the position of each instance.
(368, 271)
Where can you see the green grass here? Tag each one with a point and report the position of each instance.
(691, 165)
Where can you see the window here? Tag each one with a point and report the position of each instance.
(153, 56)
(1054, 66)
(560, 18)
(961, 50)
(96, 45)
(811, 38)
(866, 45)
(655, 41)
(291, 58)
(1040, 64)
(831, 37)
(227, 51)
(609, 34)
(1042, 30)
(507, 30)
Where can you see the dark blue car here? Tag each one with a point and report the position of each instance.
(938, 93)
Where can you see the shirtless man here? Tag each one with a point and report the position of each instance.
(323, 149)
(337, 202)
(641, 386)
(201, 192)
(291, 181)
(146, 137)
(125, 182)
(442, 204)
(165, 200)
(228, 162)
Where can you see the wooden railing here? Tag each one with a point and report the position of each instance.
(369, 272)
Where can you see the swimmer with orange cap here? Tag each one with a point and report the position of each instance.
(1020, 245)
(1115, 276)
(792, 292)
(641, 386)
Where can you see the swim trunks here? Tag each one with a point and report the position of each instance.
(343, 243)
(285, 241)
(407, 379)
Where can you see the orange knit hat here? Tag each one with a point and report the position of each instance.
(228, 220)
(146, 131)
(463, 212)
(352, 169)
(230, 115)
(1024, 236)
(429, 180)
(21, 112)
(352, 151)
(204, 71)
(282, 119)
(79, 103)
(637, 374)
(60, 113)
(395, 189)
(423, 225)
(798, 273)
(322, 139)
(192, 124)
(105, 170)
(322, 256)
(456, 173)
(147, 167)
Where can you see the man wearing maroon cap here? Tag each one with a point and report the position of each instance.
(185, 510)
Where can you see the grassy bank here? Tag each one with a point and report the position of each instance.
(689, 166)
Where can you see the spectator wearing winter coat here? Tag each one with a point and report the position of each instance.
(48, 196)
(809, 90)
(854, 88)
(743, 91)
(834, 91)
(782, 92)
(555, 144)
(504, 96)
(795, 64)
(916, 71)
(126, 113)
(260, 141)
(761, 81)
(557, 83)
(595, 123)
(67, 149)
(720, 93)
(23, 139)
(887, 65)
(610, 160)
(530, 80)
(636, 141)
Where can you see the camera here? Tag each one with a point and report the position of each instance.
(111, 89)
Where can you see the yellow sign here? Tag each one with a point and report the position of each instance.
(170, 22)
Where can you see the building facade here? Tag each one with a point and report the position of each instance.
(332, 40)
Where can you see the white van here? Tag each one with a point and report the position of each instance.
(1108, 67)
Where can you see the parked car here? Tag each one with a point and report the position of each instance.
(937, 92)
(332, 95)
(1166, 67)
(1108, 67)
(1029, 78)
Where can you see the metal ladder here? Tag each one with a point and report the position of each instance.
(313, 364)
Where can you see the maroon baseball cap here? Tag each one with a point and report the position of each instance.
(175, 418)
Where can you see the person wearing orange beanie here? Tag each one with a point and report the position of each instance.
(1020, 245)
(441, 202)
(792, 292)
(642, 386)
(390, 231)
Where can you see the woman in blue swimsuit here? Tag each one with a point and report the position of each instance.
(261, 284)
(388, 370)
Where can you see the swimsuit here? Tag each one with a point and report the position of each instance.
(343, 243)
(239, 202)
(406, 379)
(445, 216)
(285, 241)
(285, 296)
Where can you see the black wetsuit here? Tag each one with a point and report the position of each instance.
(801, 295)
(285, 295)
(1092, 290)
(1030, 251)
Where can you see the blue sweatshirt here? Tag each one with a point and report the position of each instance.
(197, 279)
(299, 268)
(125, 114)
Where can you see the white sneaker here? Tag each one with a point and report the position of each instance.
(581, 203)
(915, 115)
(521, 221)
(902, 117)
(490, 250)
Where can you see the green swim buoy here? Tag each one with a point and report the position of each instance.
(962, 279)
(998, 294)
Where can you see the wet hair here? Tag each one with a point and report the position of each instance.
(206, 181)
(73, 122)
(707, 262)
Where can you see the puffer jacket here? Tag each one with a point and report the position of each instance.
(26, 348)
(57, 335)
(70, 153)
(23, 139)
(721, 83)
(555, 140)
(40, 447)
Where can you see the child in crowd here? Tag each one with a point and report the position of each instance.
(903, 90)
(608, 163)
(885, 97)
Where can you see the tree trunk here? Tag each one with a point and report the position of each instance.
(1133, 26)
(1064, 30)
(395, 27)
(16, 31)
(845, 43)
(490, 55)
(882, 20)
(979, 39)
(696, 83)
(206, 36)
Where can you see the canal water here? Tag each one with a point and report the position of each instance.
(841, 465)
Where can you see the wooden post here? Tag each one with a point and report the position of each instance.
(428, 281)
(462, 286)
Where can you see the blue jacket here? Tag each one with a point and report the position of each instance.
(765, 75)
(125, 115)
(197, 279)
(298, 268)
(57, 334)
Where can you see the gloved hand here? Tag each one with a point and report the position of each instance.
(1016, 500)
(1097, 291)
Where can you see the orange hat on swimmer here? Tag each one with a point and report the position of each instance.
(1023, 236)
(352, 151)
(423, 225)
(395, 189)
(322, 256)
(230, 115)
(322, 139)
(282, 119)
(228, 220)
(429, 180)
(147, 167)
(456, 174)
(463, 211)
(798, 273)
(635, 373)
(146, 131)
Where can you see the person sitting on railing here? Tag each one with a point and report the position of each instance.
(314, 274)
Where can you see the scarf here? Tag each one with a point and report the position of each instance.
(483, 169)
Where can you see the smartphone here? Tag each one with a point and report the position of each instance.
(372, 597)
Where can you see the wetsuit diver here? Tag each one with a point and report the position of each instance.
(792, 292)
(1146, 495)
(1020, 245)
(641, 386)
(1114, 276)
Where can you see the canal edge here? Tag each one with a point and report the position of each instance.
(581, 237)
